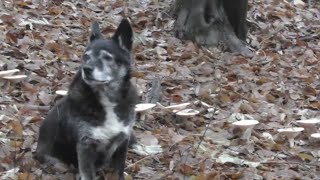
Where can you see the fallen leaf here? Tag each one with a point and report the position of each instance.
(25, 176)
(16, 126)
(185, 169)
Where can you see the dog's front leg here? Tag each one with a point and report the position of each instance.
(86, 159)
(118, 161)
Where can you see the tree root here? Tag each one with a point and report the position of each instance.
(205, 23)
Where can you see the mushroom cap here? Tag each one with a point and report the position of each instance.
(178, 106)
(315, 135)
(8, 72)
(291, 132)
(245, 124)
(308, 122)
(144, 106)
(187, 112)
(15, 77)
(62, 92)
(299, 2)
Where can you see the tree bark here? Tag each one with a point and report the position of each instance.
(210, 22)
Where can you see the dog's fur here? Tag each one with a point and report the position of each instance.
(91, 127)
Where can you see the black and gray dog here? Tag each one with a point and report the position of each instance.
(91, 127)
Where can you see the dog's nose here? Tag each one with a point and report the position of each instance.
(87, 70)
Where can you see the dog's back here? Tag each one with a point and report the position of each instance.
(91, 126)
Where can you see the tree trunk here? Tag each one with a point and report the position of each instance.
(209, 22)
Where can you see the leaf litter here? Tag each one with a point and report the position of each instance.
(44, 41)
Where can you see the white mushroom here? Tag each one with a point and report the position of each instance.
(143, 108)
(187, 112)
(291, 133)
(8, 72)
(268, 137)
(62, 92)
(299, 3)
(309, 124)
(14, 78)
(246, 126)
(315, 137)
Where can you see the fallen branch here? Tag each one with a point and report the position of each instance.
(140, 160)
(34, 107)
(155, 93)
(286, 163)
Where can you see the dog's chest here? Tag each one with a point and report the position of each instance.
(112, 125)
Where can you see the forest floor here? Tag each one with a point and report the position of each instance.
(279, 85)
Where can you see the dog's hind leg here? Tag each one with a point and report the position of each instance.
(86, 159)
(47, 136)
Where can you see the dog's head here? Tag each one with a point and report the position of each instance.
(108, 60)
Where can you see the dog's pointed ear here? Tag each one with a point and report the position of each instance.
(95, 32)
(124, 35)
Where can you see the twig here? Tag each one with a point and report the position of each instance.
(155, 92)
(285, 163)
(205, 131)
(35, 107)
(137, 162)
(312, 37)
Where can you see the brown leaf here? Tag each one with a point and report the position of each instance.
(262, 81)
(224, 98)
(201, 176)
(314, 105)
(232, 77)
(176, 98)
(23, 4)
(246, 108)
(240, 60)
(15, 144)
(54, 10)
(135, 168)
(202, 166)
(16, 126)
(8, 19)
(309, 91)
(12, 37)
(186, 169)
(141, 21)
(29, 87)
(214, 175)
(270, 98)
(305, 157)
(25, 176)
(36, 119)
(236, 175)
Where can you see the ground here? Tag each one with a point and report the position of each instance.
(277, 86)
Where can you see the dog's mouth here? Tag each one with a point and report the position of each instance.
(98, 81)
(95, 81)
(89, 79)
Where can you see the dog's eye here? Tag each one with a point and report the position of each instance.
(86, 57)
(106, 55)
(108, 58)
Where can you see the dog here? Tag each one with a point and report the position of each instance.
(91, 127)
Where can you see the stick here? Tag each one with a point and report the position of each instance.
(155, 92)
